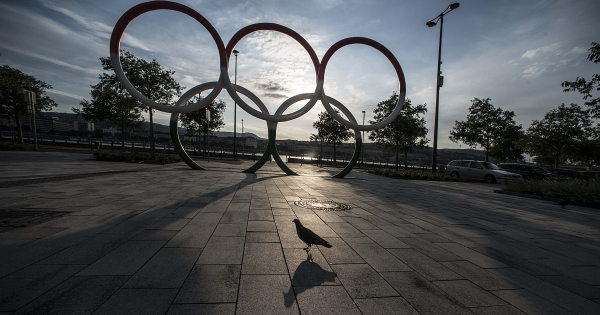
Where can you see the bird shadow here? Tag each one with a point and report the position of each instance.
(308, 274)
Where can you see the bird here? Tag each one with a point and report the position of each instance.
(563, 203)
(309, 237)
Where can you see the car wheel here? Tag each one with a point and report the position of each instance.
(490, 179)
(454, 175)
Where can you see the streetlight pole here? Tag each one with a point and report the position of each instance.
(243, 139)
(362, 158)
(439, 80)
(235, 52)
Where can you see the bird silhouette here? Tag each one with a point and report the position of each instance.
(564, 202)
(309, 237)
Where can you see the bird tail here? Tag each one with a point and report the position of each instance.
(327, 245)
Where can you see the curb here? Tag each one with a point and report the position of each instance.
(24, 182)
(512, 193)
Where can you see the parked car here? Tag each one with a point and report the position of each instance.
(592, 175)
(486, 171)
(528, 171)
(564, 174)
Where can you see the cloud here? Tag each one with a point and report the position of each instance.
(65, 94)
(578, 50)
(272, 86)
(535, 70)
(51, 60)
(98, 29)
(275, 95)
(542, 50)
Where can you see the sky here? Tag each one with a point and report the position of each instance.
(515, 52)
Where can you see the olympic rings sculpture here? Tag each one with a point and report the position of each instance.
(232, 90)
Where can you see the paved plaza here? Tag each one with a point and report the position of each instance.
(119, 238)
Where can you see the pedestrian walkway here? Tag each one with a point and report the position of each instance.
(170, 240)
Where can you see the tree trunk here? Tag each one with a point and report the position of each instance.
(397, 152)
(321, 156)
(122, 135)
(334, 156)
(19, 130)
(151, 132)
(487, 150)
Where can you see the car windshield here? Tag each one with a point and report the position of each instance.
(489, 166)
(568, 172)
(539, 170)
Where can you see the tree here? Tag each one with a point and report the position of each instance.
(584, 87)
(150, 79)
(111, 102)
(556, 138)
(12, 104)
(331, 131)
(196, 120)
(404, 133)
(510, 146)
(487, 126)
(587, 152)
(317, 137)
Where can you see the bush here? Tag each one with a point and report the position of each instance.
(414, 174)
(5, 146)
(138, 157)
(577, 191)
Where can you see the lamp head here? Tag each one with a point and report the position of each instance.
(235, 52)
(430, 24)
(454, 5)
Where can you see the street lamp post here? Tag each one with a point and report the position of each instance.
(243, 139)
(206, 130)
(362, 158)
(439, 79)
(235, 52)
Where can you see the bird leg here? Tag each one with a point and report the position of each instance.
(307, 249)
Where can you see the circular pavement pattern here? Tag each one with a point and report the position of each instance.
(324, 204)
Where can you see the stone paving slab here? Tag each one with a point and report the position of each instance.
(171, 240)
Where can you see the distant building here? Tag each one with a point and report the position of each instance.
(110, 130)
(48, 124)
(249, 142)
(82, 125)
(61, 126)
(162, 135)
(44, 124)
(7, 122)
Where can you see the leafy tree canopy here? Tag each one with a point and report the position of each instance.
(149, 77)
(557, 136)
(111, 102)
(195, 121)
(331, 131)
(585, 87)
(487, 126)
(404, 133)
(12, 104)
